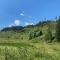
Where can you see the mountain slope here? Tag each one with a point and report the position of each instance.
(13, 28)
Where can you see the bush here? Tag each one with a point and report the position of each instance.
(39, 33)
(34, 34)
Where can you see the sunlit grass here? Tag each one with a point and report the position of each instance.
(29, 51)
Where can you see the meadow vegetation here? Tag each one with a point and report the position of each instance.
(38, 42)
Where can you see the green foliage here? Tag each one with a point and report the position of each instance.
(48, 35)
(33, 51)
(34, 34)
(18, 47)
(30, 35)
(58, 30)
(39, 33)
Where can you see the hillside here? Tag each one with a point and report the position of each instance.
(13, 28)
(16, 45)
(21, 31)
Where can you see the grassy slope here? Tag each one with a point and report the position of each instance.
(17, 48)
(29, 51)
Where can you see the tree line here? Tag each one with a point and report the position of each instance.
(48, 35)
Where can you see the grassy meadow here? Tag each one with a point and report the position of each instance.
(17, 46)
(27, 50)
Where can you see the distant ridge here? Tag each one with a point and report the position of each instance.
(13, 28)
(21, 28)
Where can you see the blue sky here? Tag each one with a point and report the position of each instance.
(24, 12)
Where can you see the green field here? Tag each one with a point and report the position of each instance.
(29, 51)
(18, 46)
(25, 49)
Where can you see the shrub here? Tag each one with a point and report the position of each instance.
(21, 38)
(40, 33)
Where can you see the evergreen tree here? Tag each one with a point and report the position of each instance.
(30, 35)
(34, 34)
(48, 35)
(58, 30)
(40, 33)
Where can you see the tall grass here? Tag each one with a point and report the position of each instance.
(34, 51)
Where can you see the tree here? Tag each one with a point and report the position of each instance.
(40, 33)
(30, 35)
(58, 30)
(34, 34)
(48, 35)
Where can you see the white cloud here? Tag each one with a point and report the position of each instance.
(11, 25)
(27, 17)
(22, 14)
(28, 23)
(17, 22)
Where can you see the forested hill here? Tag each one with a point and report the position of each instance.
(21, 28)
(13, 28)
